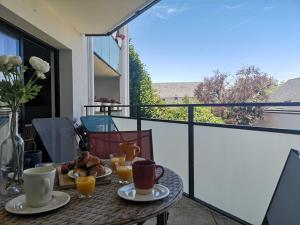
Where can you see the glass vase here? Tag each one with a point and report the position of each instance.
(11, 159)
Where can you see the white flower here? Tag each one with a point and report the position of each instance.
(15, 60)
(39, 65)
(40, 75)
(3, 59)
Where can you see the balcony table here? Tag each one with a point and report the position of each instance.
(105, 207)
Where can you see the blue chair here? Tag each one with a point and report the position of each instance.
(98, 123)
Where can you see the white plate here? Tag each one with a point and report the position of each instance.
(18, 205)
(128, 192)
(108, 171)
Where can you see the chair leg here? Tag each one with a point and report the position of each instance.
(162, 219)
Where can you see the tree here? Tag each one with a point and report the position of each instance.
(213, 89)
(249, 85)
(201, 114)
(141, 91)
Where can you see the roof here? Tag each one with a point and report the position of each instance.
(175, 89)
(287, 92)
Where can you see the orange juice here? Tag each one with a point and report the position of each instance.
(117, 159)
(122, 160)
(125, 173)
(85, 185)
(113, 162)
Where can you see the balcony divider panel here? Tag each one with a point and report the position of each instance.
(170, 147)
(237, 170)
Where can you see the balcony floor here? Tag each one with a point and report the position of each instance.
(188, 212)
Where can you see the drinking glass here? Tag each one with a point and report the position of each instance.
(124, 174)
(85, 186)
(117, 158)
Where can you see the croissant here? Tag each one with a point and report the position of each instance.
(82, 161)
(93, 161)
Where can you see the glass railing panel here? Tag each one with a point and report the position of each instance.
(170, 147)
(114, 54)
(124, 124)
(237, 170)
(107, 48)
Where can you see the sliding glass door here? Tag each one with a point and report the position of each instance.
(16, 42)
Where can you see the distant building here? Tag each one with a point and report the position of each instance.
(283, 117)
(176, 91)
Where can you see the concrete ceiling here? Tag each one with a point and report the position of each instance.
(98, 16)
(101, 69)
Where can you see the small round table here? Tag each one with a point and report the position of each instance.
(106, 207)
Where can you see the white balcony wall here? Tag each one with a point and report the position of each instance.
(125, 124)
(237, 170)
(170, 147)
(39, 19)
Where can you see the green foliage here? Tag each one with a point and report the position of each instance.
(13, 91)
(201, 114)
(142, 93)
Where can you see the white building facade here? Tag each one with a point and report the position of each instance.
(61, 32)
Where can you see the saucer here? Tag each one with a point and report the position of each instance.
(128, 192)
(18, 205)
(108, 171)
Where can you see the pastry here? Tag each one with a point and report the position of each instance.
(97, 170)
(82, 161)
(93, 161)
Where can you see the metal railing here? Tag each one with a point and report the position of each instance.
(191, 123)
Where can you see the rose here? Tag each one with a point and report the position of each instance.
(3, 59)
(15, 60)
(39, 65)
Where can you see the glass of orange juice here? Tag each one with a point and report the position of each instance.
(85, 186)
(124, 174)
(117, 158)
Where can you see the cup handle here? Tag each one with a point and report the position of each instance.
(46, 185)
(162, 173)
(137, 150)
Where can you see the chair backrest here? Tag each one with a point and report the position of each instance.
(98, 123)
(58, 137)
(285, 204)
(102, 144)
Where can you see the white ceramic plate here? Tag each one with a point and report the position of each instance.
(128, 192)
(18, 205)
(108, 171)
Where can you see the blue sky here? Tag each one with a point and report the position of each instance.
(186, 40)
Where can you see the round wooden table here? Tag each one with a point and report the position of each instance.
(106, 207)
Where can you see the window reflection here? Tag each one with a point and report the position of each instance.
(9, 45)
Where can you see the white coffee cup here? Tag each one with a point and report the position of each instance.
(38, 185)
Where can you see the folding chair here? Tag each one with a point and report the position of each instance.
(58, 137)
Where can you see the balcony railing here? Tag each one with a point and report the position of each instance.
(107, 48)
(231, 168)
